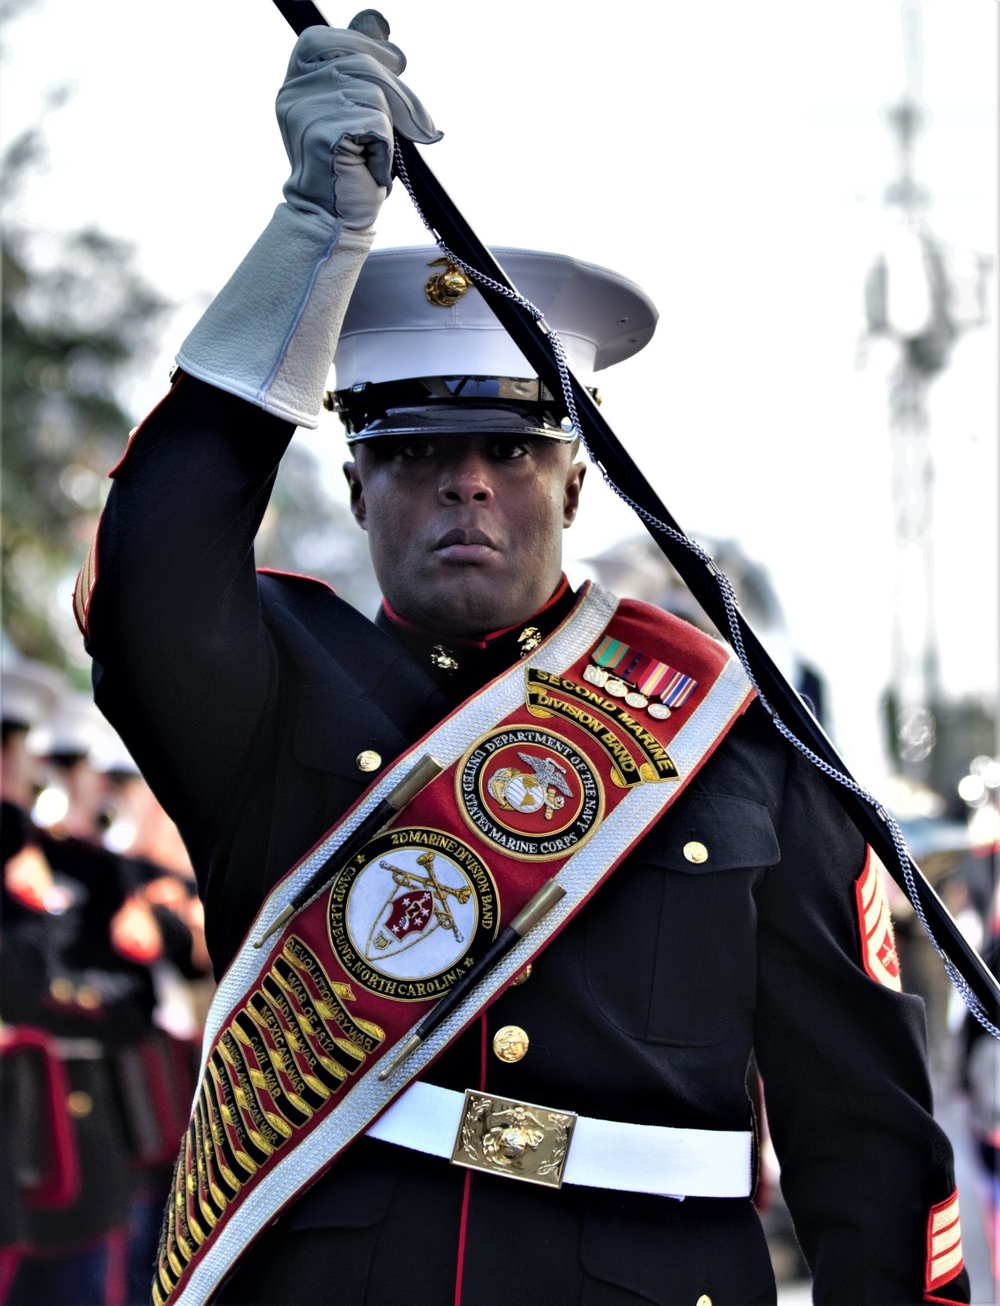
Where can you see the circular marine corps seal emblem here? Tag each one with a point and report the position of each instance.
(411, 912)
(529, 792)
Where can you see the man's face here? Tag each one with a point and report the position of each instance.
(465, 533)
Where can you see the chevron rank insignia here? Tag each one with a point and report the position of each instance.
(944, 1244)
(878, 942)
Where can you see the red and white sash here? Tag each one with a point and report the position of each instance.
(547, 773)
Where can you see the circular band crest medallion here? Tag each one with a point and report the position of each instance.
(410, 912)
(529, 792)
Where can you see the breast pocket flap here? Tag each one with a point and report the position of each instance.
(712, 832)
(344, 733)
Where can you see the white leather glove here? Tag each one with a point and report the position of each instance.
(270, 334)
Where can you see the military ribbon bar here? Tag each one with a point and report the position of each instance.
(650, 677)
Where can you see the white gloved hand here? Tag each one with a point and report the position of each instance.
(342, 93)
(270, 334)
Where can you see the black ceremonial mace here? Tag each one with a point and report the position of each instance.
(708, 585)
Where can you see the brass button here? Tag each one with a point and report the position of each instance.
(62, 989)
(522, 975)
(79, 1104)
(704, 1300)
(696, 852)
(510, 1043)
(369, 760)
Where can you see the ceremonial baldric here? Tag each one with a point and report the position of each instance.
(791, 716)
(548, 776)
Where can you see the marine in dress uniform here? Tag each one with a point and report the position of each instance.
(160, 926)
(63, 983)
(260, 706)
(78, 941)
(29, 1165)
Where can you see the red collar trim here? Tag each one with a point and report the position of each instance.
(394, 617)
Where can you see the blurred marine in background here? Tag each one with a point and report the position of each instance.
(93, 1091)
(578, 1128)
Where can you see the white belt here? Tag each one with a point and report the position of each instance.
(602, 1153)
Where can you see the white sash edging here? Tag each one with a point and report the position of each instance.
(368, 1097)
(578, 633)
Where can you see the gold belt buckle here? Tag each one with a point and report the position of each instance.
(519, 1140)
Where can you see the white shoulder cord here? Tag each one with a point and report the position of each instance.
(729, 600)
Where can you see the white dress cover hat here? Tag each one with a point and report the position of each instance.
(420, 349)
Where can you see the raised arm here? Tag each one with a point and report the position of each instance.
(168, 601)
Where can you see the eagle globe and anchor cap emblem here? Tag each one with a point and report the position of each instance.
(446, 288)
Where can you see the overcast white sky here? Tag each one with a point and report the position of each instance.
(726, 154)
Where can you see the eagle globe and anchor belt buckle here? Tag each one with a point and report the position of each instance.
(519, 1140)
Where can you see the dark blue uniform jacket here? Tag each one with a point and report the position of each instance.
(246, 698)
